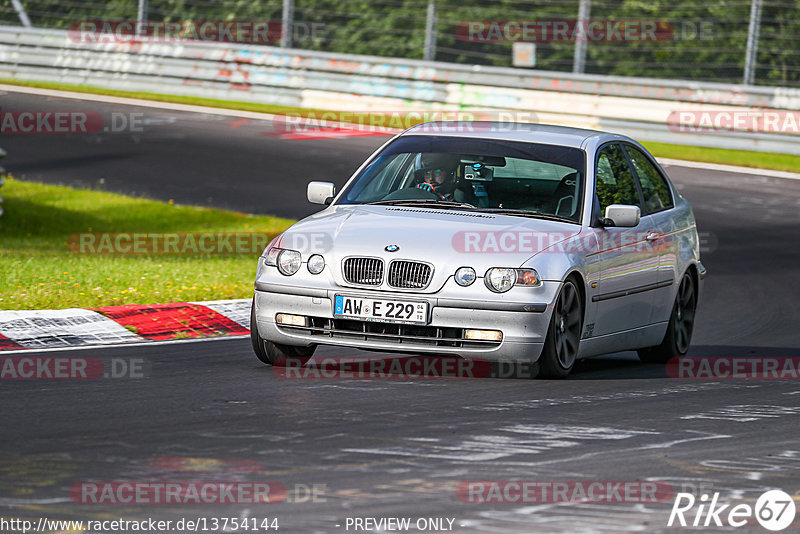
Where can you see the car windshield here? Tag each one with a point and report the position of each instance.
(488, 175)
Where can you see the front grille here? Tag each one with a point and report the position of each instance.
(403, 335)
(363, 271)
(409, 274)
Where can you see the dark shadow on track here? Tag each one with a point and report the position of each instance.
(626, 365)
(618, 366)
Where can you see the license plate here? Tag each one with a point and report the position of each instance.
(381, 310)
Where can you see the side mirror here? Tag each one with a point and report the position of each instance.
(622, 215)
(320, 192)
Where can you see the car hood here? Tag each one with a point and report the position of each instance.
(447, 239)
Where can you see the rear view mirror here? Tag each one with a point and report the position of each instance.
(320, 192)
(494, 161)
(622, 215)
(477, 172)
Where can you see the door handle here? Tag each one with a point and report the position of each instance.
(653, 236)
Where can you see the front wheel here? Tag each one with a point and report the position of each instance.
(563, 335)
(273, 353)
(681, 324)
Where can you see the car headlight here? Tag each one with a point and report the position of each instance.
(289, 261)
(501, 279)
(316, 264)
(465, 276)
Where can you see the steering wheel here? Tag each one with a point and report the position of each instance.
(412, 193)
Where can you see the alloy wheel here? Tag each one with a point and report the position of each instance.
(567, 326)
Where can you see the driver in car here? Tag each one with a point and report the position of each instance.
(438, 174)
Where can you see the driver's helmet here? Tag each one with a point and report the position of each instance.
(437, 172)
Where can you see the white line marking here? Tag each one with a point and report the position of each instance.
(28, 502)
(729, 168)
(510, 441)
(743, 413)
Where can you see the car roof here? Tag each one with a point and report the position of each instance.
(513, 131)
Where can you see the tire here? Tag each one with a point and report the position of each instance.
(273, 353)
(563, 335)
(255, 339)
(681, 324)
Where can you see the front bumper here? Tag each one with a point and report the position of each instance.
(524, 325)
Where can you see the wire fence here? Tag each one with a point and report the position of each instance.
(675, 39)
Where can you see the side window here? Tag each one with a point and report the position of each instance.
(654, 188)
(387, 171)
(615, 183)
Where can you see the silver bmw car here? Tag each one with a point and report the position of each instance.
(497, 241)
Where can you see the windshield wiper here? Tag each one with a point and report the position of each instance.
(422, 202)
(432, 203)
(528, 213)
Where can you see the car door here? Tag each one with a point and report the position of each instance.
(627, 264)
(657, 204)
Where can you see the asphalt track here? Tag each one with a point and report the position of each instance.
(210, 411)
(191, 158)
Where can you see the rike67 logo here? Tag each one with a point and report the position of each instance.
(774, 510)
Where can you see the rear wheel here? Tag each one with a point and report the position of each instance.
(563, 336)
(681, 324)
(273, 353)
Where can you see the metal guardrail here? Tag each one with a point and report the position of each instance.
(637, 106)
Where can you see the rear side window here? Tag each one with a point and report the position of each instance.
(530, 169)
(654, 187)
(615, 183)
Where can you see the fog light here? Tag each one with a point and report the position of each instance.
(315, 264)
(290, 320)
(484, 335)
(465, 276)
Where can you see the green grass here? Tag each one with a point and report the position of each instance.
(745, 158)
(39, 271)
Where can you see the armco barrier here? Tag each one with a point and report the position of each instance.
(636, 106)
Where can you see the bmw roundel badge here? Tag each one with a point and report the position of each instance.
(391, 248)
